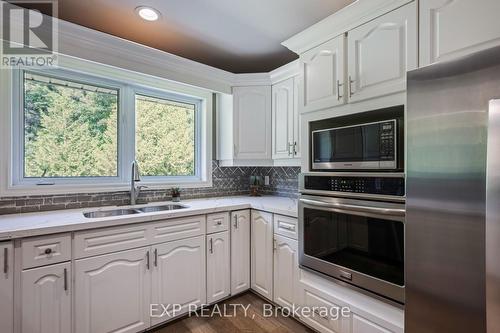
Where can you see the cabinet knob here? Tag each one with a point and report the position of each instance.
(48, 251)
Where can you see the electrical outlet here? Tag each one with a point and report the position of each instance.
(266, 180)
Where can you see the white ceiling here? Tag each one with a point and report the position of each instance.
(235, 35)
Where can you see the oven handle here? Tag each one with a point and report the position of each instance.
(364, 209)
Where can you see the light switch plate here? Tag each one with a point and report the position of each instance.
(266, 180)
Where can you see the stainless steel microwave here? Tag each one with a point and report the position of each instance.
(360, 146)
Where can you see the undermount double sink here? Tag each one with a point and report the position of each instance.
(130, 211)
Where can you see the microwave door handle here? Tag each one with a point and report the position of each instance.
(364, 209)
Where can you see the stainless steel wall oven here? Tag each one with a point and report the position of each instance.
(351, 228)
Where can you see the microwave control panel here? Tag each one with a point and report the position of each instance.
(387, 140)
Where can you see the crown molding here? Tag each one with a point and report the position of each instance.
(251, 79)
(338, 23)
(285, 72)
(88, 44)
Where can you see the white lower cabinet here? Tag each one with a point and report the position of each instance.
(179, 276)
(240, 251)
(6, 288)
(324, 315)
(262, 253)
(363, 325)
(46, 299)
(218, 263)
(286, 268)
(113, 292)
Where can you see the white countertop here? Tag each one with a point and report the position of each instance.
(43, 223)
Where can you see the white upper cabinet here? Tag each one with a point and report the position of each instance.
(240, 251)
(113, 292)
(322, 70)
(262, 253)
(450, 28)
(46, 299)
(285, 119)
(218, 267)
(381, 52)
(252, 122)
(6, 288)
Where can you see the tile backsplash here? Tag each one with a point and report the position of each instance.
(226, 181)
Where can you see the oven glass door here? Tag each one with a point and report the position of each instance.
(358, 239)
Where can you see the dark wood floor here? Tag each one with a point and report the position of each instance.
(254, 322)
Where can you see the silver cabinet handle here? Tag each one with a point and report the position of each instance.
(219, 222)
(295, 148)
(235, 224)
(288, 146)
(319, 314)
(356, 208)
(65, 279)
(156, 257)
(339, 96)
(5, 260)
(275, 246)
(211, 245)
(147, 260)
(287, 227)
(351, 81)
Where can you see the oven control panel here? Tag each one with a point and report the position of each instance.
(378, 185)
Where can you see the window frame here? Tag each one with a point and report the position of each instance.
(18, 174)
(155, 93)
(12, 180)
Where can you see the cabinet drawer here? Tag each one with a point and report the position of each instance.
(102, 241)
(41, 251)
(217, 222)
(326, 316)
(285, 226)
(173, 229)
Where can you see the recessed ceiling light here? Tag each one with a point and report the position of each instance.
(147, 13)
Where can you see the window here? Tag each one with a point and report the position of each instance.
(165, 137)
(70, 129)
(78, 129)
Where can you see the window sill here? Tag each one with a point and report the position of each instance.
(37, 190)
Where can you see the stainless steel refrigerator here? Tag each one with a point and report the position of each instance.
(453, 196)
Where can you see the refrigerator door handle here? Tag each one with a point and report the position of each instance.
(493, 218)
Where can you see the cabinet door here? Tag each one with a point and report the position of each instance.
(113, 292)
(179, 276)
(252, 122)
(451, 28)
(240, 251)
(6, 287)
(46, 299)
(296, 119)
(381, 52)
(218, 267)
(262, 253)
(283, 122)
(286, 270)
(322, 82)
